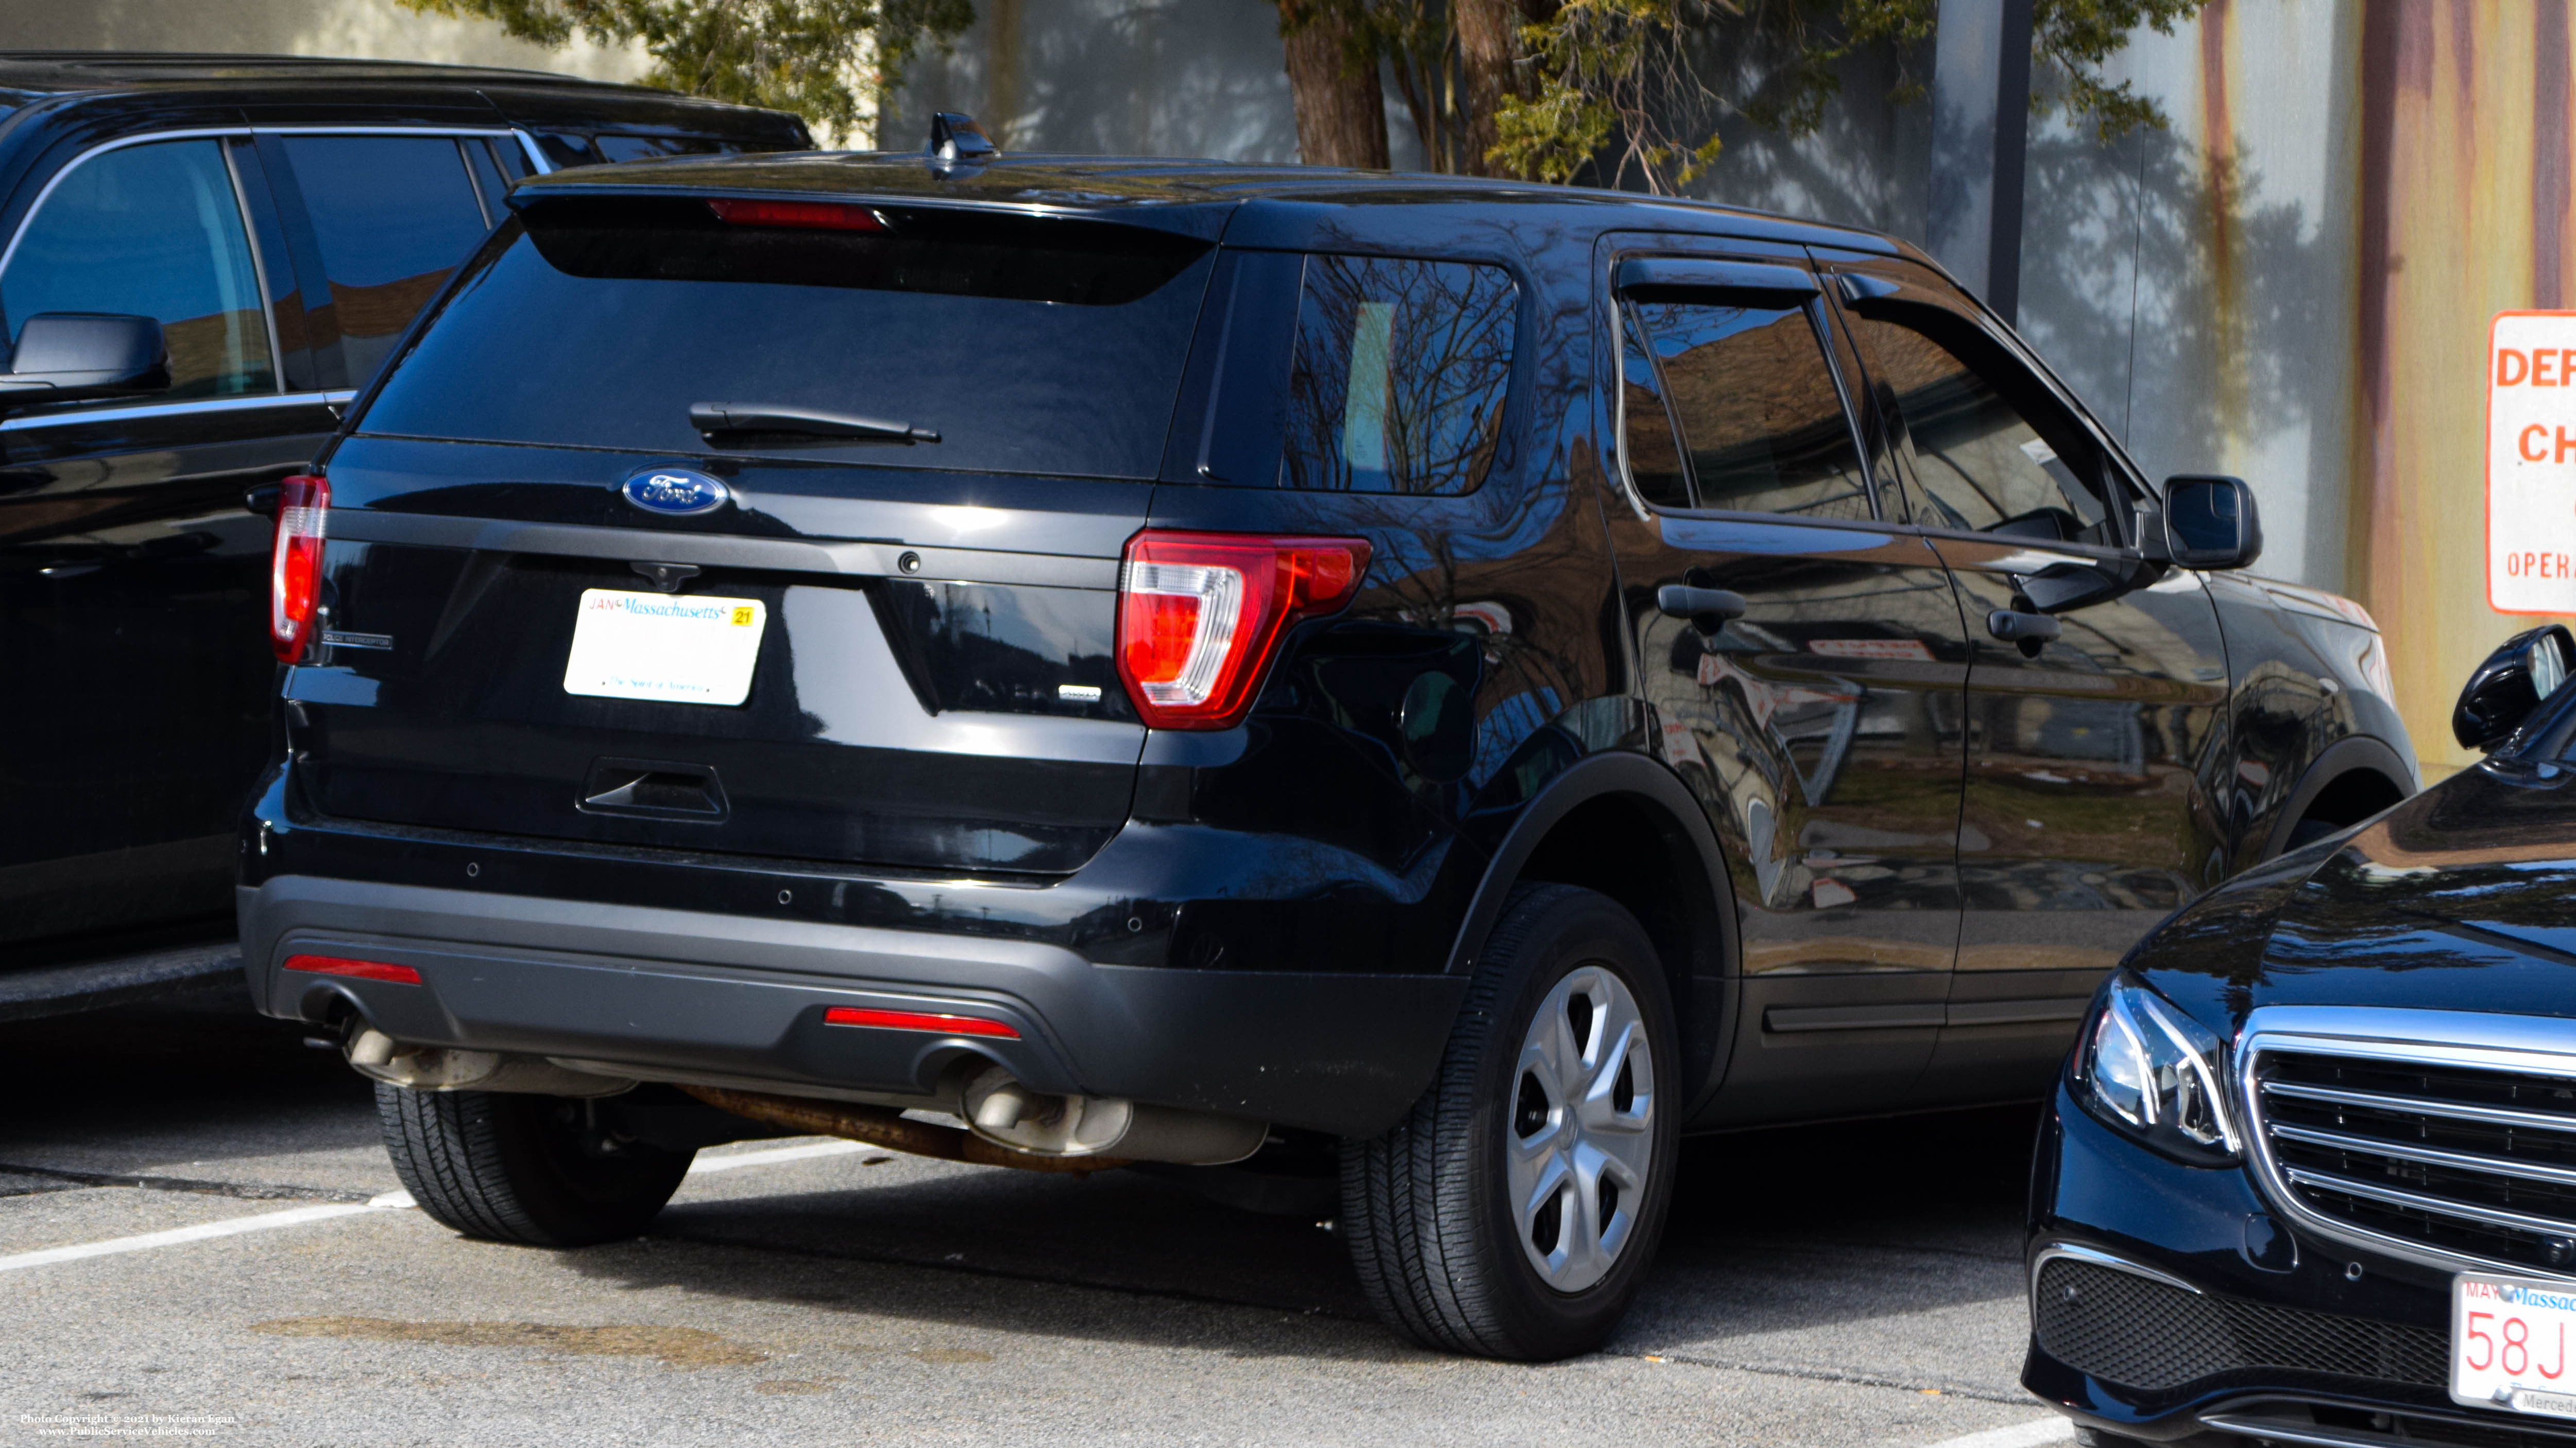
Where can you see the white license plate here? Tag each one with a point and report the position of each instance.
(683, 649)
(2513, 1344)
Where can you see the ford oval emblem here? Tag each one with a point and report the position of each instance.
(677, 492)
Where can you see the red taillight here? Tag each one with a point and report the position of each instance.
(1200, 613)
(295, 564)
(357, 969)
(815, 215)
(935, 1024)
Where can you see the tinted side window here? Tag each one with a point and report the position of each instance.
(613, 148)
(1992, 451)
(1646, 440)
(1761, 420)
(573, 148)
(491, 183)
(153, 231)
(393, 216)
(1399, 375)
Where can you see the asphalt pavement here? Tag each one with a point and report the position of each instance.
(201, 1239)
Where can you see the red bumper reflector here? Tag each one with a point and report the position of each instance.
(358, 969)
(937, 1025)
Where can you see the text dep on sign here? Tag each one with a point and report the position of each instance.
(2531, 462)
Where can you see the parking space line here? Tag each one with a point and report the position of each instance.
(1858, 1380)
(775, 1155)
(389, 1201)
(2051, 1429)
(228, 1227)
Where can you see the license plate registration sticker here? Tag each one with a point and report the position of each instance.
(664, 646)
(2510, 1344)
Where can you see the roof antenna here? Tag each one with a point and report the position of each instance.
(957, 142)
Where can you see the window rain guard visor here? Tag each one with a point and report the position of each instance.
(1657, 274)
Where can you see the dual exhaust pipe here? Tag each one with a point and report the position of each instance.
(1001, 1110)
(1008, 1123)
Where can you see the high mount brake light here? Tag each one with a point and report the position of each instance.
(814, 215)
(295, 564)
(1199, 615)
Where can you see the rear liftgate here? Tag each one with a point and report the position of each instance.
(746, 616)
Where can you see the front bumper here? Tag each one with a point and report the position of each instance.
(692, 992)
(2165, 1307)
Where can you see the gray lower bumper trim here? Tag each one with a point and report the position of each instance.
(690, 990)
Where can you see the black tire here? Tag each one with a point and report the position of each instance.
(511, 1167)
(2308, 831)
(1429, 1209)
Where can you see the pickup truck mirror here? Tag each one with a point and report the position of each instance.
(79, 356)
(2210, 522)
(2501, 694)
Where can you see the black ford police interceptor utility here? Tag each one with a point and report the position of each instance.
(1155, 658)
(201, 259)
(2310, 1176)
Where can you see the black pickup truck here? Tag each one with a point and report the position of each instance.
(262, 230)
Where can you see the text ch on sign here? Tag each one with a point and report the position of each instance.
(2531, 463)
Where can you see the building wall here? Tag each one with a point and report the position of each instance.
(1114, 77)
(2350, 191)
(2460, 209)
(373, 29)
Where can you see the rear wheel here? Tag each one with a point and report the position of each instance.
(1514, 1210)
(2308, 831)
(511, 1167)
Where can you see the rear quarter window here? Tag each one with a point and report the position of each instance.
(1399, 374)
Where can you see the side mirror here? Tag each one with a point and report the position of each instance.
(2210, 522)
(2065, 587)
(78, 356)
(2524, 670)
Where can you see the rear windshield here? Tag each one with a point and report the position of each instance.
(1028, 344)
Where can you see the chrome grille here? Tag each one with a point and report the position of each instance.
(2460, 1149)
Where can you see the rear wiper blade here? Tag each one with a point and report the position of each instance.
(712, 418)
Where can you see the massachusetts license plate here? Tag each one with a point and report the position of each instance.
(686, 650)
(2510, 1344)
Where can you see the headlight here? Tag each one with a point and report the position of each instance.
(2157, 1072)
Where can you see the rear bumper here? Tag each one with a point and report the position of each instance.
(701, 992)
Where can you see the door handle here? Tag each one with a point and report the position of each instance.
(1709, 608)
(2014, 628)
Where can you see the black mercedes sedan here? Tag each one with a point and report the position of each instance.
(2309, 1176)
